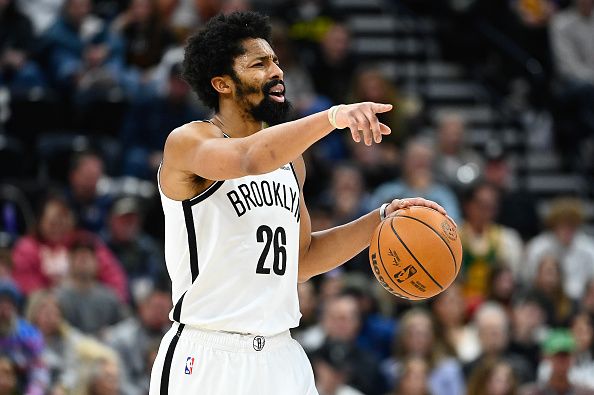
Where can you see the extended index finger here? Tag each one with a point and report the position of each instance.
(380, 107)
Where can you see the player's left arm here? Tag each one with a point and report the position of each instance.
(322, 251)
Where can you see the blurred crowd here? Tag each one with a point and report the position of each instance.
(89, 90)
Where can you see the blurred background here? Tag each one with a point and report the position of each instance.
(493, 119)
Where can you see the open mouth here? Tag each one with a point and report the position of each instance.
(277, 93)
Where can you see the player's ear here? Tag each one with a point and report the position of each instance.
(221, 84)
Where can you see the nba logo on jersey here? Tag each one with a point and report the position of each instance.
(189, 365)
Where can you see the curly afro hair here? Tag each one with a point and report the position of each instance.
(211, 51)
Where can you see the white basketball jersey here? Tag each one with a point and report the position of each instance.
(232, 254)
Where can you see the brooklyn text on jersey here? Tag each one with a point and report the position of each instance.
(263, 193)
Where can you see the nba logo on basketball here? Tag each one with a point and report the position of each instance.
(189, 365)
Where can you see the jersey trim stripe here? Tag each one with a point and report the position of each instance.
(295, 174)
(177, 308)
(206, 193)
(189, 218)
(298, 188)
(168, 359)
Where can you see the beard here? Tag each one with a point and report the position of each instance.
(267, 110)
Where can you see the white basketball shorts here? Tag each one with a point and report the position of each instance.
(198, 362)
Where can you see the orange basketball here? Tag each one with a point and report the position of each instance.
(416, 254)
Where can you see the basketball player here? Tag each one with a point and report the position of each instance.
(237, 232)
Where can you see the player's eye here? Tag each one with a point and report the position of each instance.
(259, 64)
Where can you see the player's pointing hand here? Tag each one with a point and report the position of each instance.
(361, 119)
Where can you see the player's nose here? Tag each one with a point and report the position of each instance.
(276, 72)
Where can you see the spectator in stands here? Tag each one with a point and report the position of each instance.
(22, 342)
(528, 322)
(486, 244)
(341, 322)
(583, 333)
(150, 120)
(493, 327)
(568, 241)
(135, 337)
(519, 204)
(449, 311)
(17, 71)
(371, 84)
(300, 90)
(308, 19)
(104, 379)
(68, 354)
(380, 163)
(535, 12)
(145, 35)
(345, 193)
(417, 338)
(5, 263)
(86, 304)
(42, 13)
(455, 164)
(333, 65)
(308, 306)
(141, 257)
(414, 379)
(587, 299)
(332, 365)
(531, 33)
(418, 180)
(333, 309)
(493, 377)
(108, 10)
(557, 349)
(41, 258)
(548, 285)
(571, 40)
(377, 330)
(9, 381)
(18, 217)
(84, 56)
(90, 205)
(501, 286)
(331, 285)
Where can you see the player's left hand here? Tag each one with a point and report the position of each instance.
(398, 204)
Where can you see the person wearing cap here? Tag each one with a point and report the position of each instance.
(557, 348)
(565, 237)
(21, 341)
(142, 258)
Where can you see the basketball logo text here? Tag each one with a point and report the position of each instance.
(381, 280)
(189, 365)
(448, 230)
(405, 273)
(394, 255)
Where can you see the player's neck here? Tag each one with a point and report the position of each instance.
(236, 122)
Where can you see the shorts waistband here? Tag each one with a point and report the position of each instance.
(234, 341)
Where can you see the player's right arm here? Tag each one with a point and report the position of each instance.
(199, 148)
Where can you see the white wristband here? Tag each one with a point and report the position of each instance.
(332, 116)
(382, 211)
